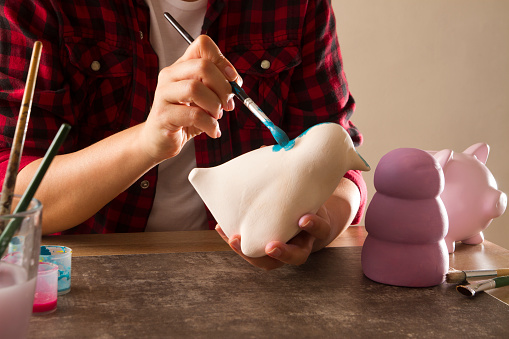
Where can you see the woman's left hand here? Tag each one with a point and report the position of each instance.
(316, 231)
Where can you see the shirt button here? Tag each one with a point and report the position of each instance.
(141, 35)
(95, 65)
(265, 64)
(145, 184)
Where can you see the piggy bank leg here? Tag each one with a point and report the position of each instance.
(475, 240)
(451, 244)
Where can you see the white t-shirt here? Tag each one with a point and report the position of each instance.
(177, 206)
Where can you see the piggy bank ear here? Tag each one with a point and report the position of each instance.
(443, 157)
(480, 151)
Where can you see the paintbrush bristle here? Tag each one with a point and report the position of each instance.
(465, 290)
(455, 277)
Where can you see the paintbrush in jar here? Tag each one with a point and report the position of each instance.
(24, 202)
(19, 134)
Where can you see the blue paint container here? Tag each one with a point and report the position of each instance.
(60, 256)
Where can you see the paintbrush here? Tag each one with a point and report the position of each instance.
(456, 277)
(472, 289)
(278, 134)
(14, 224)
(19, 134)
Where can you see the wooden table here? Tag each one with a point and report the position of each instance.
(466, 257)
(226, 297)
(166, 242)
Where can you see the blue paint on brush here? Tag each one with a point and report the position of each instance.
(278, 134)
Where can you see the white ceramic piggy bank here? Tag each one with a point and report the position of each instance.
(470, 196)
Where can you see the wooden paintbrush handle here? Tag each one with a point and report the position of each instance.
(19, 134)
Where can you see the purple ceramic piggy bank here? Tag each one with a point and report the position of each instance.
(406, 221)
(470, 196)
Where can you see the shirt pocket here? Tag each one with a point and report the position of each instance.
(101, 80)
(266, 71)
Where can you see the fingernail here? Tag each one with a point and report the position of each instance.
(230, 73)
(306, 224)
(217, 129)
(230, 104)
(275, 253)
(235, 243)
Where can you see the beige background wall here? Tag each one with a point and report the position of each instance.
(430, 74)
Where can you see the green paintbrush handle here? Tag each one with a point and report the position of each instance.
(25, 199)
(501, 281)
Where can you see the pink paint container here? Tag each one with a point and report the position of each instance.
(46, 289)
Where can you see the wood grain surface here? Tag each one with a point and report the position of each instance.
(466, 257)
(217, 295)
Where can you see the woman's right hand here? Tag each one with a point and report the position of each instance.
(189, 99)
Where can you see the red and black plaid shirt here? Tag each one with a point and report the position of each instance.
(98, 73)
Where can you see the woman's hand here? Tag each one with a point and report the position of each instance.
(189, 99)
(316, 230)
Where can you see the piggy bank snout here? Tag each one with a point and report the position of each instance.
(500, 204)
(495, 204)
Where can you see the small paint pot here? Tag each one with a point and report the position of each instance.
(60, 256)
(46, 289)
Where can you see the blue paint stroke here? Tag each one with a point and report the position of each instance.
(365, 162)
(287, 147)
(291, 143)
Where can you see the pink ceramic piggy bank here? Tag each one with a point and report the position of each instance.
(470, 196)
(406, 221)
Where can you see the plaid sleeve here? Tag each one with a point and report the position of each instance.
(356, 177)
(320, 91)
(19, 29)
